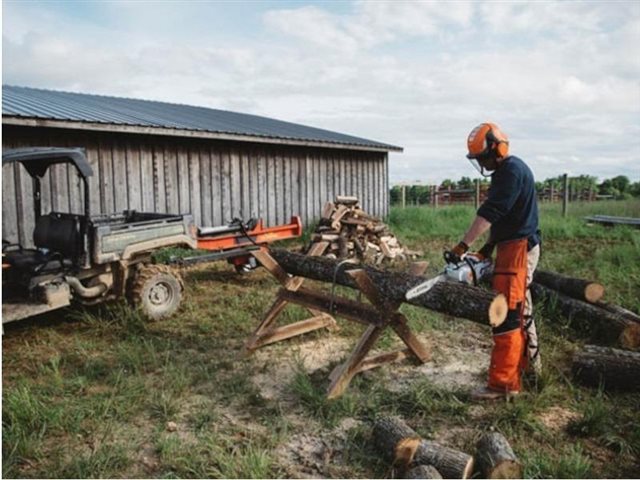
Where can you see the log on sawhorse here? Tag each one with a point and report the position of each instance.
(378, 315)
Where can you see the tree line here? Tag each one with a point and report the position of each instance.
(618, 187)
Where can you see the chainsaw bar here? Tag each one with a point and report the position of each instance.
(424, 287)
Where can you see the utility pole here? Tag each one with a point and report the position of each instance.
(476, 202)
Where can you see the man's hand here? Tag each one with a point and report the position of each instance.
(453, 255)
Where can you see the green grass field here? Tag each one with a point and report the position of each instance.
(102, 393)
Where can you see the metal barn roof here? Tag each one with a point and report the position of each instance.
(39, 107)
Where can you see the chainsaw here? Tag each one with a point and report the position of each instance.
(469, 269)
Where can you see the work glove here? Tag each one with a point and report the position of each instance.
(454, 255)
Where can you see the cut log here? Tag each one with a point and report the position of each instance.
(573, 287)
(604, 325)
(495, 457)
(403, 446)
(613, 369)
(618, 310)
(422, 471)
(455, 299)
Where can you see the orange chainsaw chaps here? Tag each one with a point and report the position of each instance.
(510, 271)
(507, 361)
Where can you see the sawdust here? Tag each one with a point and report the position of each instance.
(557, 418)
(281, 362)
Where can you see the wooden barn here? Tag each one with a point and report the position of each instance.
(163, 157)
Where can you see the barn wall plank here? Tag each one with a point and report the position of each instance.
(216, 186)
(206, 191)
(245, 185)
(171, 178)
(235, 183)
(183, 179)
(147, 180)
(194, 184)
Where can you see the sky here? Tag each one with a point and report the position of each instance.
(561, 79)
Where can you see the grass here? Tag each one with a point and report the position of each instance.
(89, 392)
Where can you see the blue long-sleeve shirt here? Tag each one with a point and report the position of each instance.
(512, 207)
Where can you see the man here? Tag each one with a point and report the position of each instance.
(511, 214)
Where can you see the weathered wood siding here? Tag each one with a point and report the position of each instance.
(213, 180)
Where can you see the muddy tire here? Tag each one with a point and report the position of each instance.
(156, 290)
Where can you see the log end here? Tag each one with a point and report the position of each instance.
(506, 469)
(468, 470)
(498, 310)
(630, 336)
(405, 450)
(593, 292)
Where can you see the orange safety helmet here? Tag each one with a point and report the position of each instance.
(485, 139)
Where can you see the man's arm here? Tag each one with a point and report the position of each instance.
(477, 228)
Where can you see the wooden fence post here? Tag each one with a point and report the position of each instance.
(404, 196)
(476, 203)
(565, 194)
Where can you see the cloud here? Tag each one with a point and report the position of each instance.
(561, 78)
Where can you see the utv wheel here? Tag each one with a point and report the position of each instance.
(157, 290)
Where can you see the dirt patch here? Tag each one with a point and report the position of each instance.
(315, 455)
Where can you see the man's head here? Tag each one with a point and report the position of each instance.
(487, 146)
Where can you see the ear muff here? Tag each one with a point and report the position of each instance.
(499, 145)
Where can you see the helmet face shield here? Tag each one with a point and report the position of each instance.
(483, 163)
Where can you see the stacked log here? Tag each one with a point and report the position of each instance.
(352, 233)
(609, 326)
(401, 445)
(608, 368)
(585, 290)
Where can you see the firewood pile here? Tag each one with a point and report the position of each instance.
(352, 233)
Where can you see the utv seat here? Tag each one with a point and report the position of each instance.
(60, 233)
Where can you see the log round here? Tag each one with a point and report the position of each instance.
(455, 299)
(495, 457)
(609, 327)
(423, 471)
(612, 368)
(577, 288)
(400, 443)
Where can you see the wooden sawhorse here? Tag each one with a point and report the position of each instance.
(378, 315)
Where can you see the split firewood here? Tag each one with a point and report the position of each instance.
(455, 299)
(404, 447)
(345, 200)
(327, 210)
(340, 212)
(610, 368)
(495, 457)
(422, 471)
(573, 287)
(610, 327)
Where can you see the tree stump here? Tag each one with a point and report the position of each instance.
(495, 457)
(613, 369)
(422, 471)
(404, 447)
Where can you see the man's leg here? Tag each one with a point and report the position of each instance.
(533, 350)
